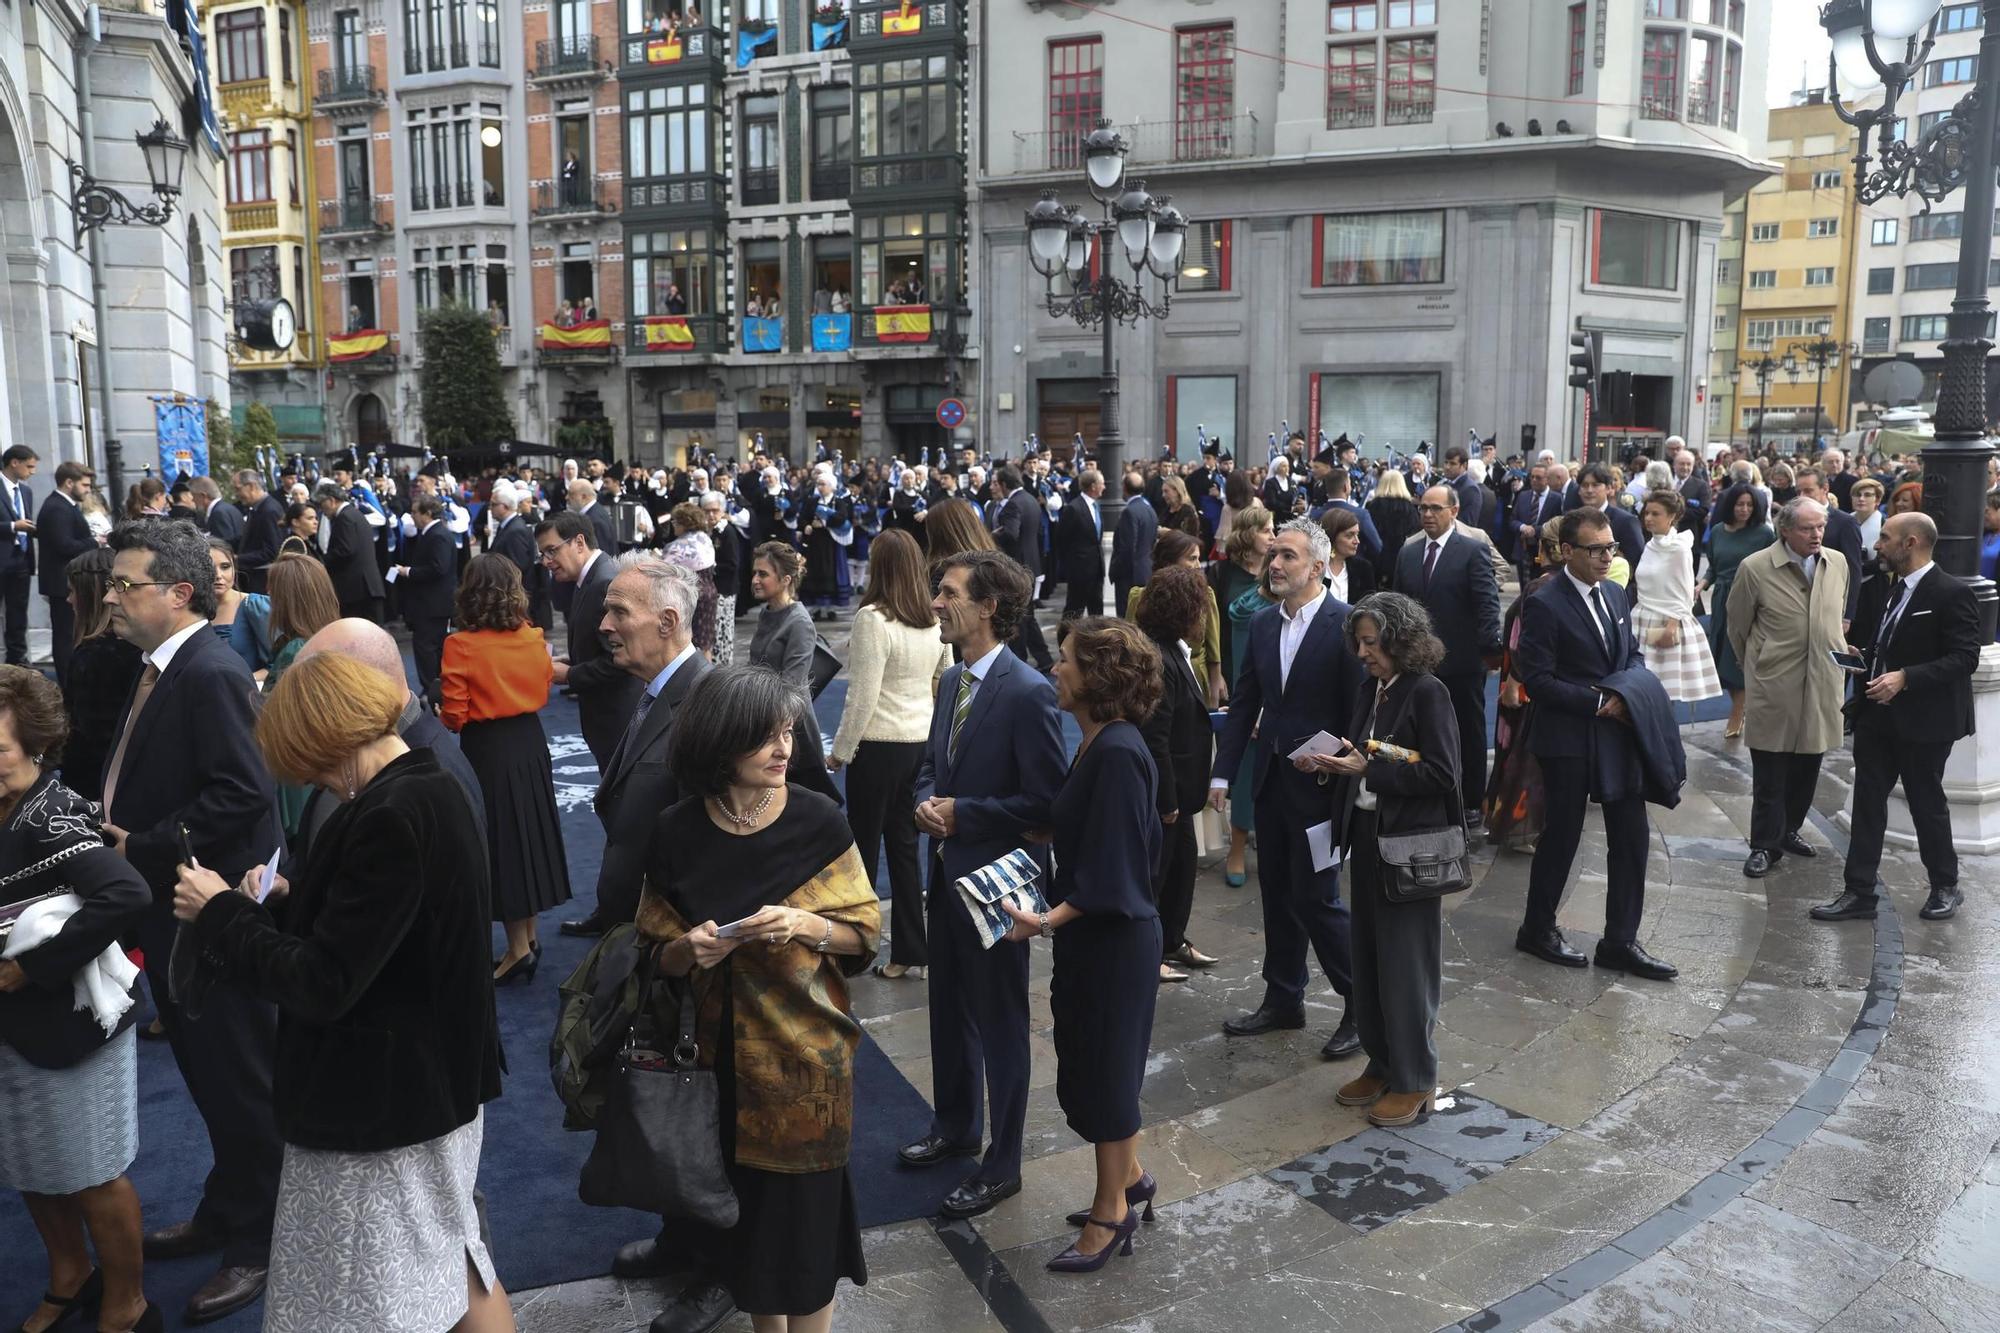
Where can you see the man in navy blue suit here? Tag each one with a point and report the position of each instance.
(1575, 633)
(1537, 503)
(17, 546)
(1299, 675)
(62, 534)
(990, 773)
(1132, 544)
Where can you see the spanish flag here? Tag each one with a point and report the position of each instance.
(668, 333)
(590, 333)
(663, 51)
(908, 20)
(903, 323)
(355, 345)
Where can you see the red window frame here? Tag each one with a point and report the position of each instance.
(250, 166)
(1666, 9)
(1579, 39)
(1351, 70)
(1204, 88)
(1346, 16)
(239, 46)
(1409, 80)
(1660, 75)
(1076, 96)
(1410, 14)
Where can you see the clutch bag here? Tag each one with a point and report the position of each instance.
(825, 666)
(1011, 879)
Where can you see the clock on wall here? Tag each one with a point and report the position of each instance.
(267, 326)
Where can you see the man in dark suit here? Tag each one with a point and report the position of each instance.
(1017, 530)
(991, 770)
(1843, 534)
(605, 691)
(1696, 493)
(1537, 503)
(1453, 578)
(349, 544)
(1458, 476)
(219, 518)
(1594, 490)
(430, 587)
(62, 534)
(186, 759)
(1920, 636)
(512, 537)
(1132, 544)
(1576, 632)
(1080, 539)
(263, 529)
(17, 546)
(583, 499)
(1299, 677)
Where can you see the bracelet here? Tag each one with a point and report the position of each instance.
(826, 939)
(1047, 931)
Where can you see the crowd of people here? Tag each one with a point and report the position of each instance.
(231, 774)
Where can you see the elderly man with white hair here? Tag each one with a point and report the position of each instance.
(582, 496)
(513, 538)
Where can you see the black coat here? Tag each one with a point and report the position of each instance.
(1843, 534)
(516, 540)
(606, 693)
(637, 785)
(263, 529)
(1082, 550)
(1936, 647)
(1462, 596)
(379, 964)
(1179, 736)
(431, 586)
(350, 557)
(102, 671)
(1416, 714)
(1132, 547)
(13, 560)
(224, 521)
(1017, 530)
(607, 531)
(62, 534)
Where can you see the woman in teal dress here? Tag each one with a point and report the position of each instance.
(1741, 531)
(1235, 580)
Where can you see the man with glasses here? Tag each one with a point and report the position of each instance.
(605, 694)
(1576, 633)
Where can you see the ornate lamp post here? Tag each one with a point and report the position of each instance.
(1819, 354)
(1957, 152)
(1764, 368)
(1063, 241)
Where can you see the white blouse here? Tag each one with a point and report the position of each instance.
(1665, 577)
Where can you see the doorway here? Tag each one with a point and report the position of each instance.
(371, 423)
(1058, 425)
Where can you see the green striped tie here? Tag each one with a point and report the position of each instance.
(960, 710)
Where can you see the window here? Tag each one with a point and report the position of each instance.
(1205, 261)
(1927, 122)
(1660, 75)
(1923, 328)
(360, 294)
(1875, 334)
(833, 272)
(488, 12)
(1395, 411)
(832, 142)
(1881, 281)
(1882, 232)
(1204, 91)
(1826, 180)
(1703, 68)
(1579, 40)
(906, 108)
(1412, 13)
(1758, 334)
(496, 286)
(239, 45)
(1732, 78)
(1763, 333)
(1728, 272)
(1934, 226)
(1958, 69)
(908, 259)
(760, 278)
(667, 131)
(1763, 231)
(1823, 227)
(576, 280)
(1631, 250)
(292, 161)
(573, 25)
(1196, 403)
(299, 293)
(758, 149)
(1819, 277)
(350, 44)
(1351, 15)
(1666, 9)
(672, 272)
(1707, 11)
(285, 44)
(253, 274)
(1350, 86)
(1076, 97)
(1763, 278)
(1929, 277)
(441, 157)
(1379, 249)
(492, 156)
(1411, 86)
(1958, 18)
(250, 167)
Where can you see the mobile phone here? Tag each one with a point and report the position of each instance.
(1847, 661)
(187, 847)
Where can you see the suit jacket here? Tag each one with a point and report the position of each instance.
(1082, 549)
(637, 783)
(607, 531)
(263, 529)
(1009, 766)
(1416, 714)
(1462, 597)
(1180, 737)
(63, 535)
(350, 557)
(606, 693)
(1017, 529)
(225, 521)
(1318, 696)
(1843, 534)
(1536, 510)
(14, 560)
(1935, 645)
(1132, 544)
(1628, 532)
(516, 540)
(1472, 500)
(1698, 495)
(432, 583)
(1561, 660)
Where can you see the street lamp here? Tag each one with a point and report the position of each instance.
(1819, 354)
(1955, 153)
(1764, 368)
(1063, 241)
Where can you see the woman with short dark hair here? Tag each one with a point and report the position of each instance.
(1177, 603)
(1349, 575)
(1737, 531)
(777, 864)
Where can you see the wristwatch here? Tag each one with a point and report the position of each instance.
(826, 939)
(1048, 932)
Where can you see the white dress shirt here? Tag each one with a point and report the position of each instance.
(1292, 632)
(163, 656)
(1585, 590)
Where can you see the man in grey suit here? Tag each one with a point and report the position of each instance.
(1132, 544)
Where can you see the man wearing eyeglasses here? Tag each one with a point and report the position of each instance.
(605, 693)
(1576, 634)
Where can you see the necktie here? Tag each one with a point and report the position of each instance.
(631, 736)
(20, 538)
(1430, 562)
(1605, 625)
(960, 710)
(147, 680)
(1890, 617)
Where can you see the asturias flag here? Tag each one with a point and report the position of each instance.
(903, 323)
(589, 333)
(354, 345)
(763, 335)
(668, 333)
(833, 333)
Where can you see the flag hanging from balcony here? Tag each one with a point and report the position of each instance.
(827, 36)
(668, 333)
(833, 333)
(903, 323)
(747, 43)
(354, 345)
(763, 335)
(663, 50)
(904, 22)
(589, 333)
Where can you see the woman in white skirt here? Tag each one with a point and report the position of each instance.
(387, 1044)
(1670, 638)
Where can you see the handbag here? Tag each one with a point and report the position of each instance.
(1426, 863)
(659, 1136)
(825, 666)
(1011, 879)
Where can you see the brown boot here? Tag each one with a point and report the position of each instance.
(1402, 1108)
(1361, 1091)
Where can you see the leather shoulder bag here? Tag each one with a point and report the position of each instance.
(1426, 863)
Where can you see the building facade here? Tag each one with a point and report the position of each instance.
(1404, 208)
(1723, 353)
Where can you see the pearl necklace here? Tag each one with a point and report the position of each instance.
(750, 817)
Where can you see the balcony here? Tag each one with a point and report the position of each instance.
(577, 201)
(676, 335)
(760, 185)
(585, 343)
(832, 180)
(352, 87)
(671, 49)
(1412, 107)
(572, 59)
(353, 218)
(255, 216)
(667, 193)
(1225, 138)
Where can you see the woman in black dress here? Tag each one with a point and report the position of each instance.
(103, 668)
(1104, 923)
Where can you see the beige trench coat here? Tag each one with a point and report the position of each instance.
(1781, 631)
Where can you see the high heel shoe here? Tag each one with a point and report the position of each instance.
(84, 1301)
(1235, 879)
(150, 1320)
(521, 969)
(1073, 1260)
(1139, 1192)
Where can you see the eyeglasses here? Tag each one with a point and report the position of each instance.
(1603, 551)
(549, 554)
(121, 586)
(1433, 509)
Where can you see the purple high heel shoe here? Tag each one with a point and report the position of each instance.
(1073, 1260)
(1140, 1191)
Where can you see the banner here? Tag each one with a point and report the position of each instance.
(354, 345)
(833, 333)
(909, 20)
(748, 42)
(663, 50)
(590, 333)
(763, 335)
(182, 427)
(826, 36)
(903, 323)
(668, 333)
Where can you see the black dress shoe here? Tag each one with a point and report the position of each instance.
(181, 1240)
(231, 1289)
(1633, 959)
(1942, 905)
(700, 1308)
(1849, 906)
(590, 925)
(933, 1148)
(1798, 846)
(1760, 862)
(1550, 947)
(1265, 1020)
(1345, 1041)
(645, 1258)
(978, 1196)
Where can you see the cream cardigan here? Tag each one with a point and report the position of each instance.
(892, 676)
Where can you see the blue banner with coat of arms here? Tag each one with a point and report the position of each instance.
(182, 427)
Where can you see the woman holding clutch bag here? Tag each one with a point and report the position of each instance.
(775, 865)
(1105, 927)
(1398, 946)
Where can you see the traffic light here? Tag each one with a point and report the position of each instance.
(1585, 361)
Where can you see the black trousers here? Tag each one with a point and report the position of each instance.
(225, 1057)
(1781, 792)
(1880, 758)
(1083, 594)
(62, 629)
(1398, 969)
(1173, 881)
(881, 806)
(1566, 790)
(1468, 704)
(17, 587)
(427, 646)
(1301, 906)
(1029, 644)
(979, 1033)
(363, 608)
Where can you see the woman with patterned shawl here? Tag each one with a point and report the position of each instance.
(776, 865)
